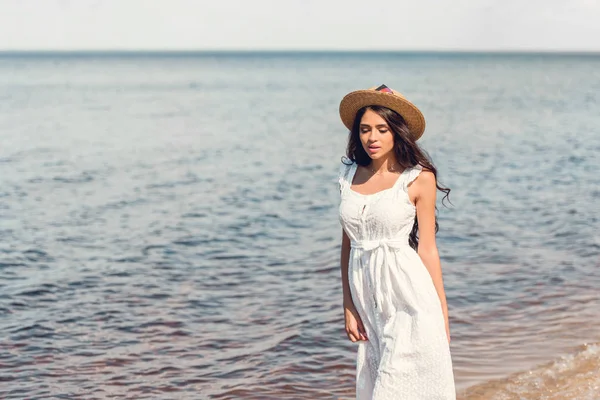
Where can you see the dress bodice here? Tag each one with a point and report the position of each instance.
(387, 214)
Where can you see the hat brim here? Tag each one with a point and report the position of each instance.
(358, 99)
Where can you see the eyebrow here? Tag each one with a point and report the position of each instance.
(376, 126)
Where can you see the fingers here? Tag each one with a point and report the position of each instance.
(352, 332)
(355, 334)
(353, 337)
(361, 329)
(355, 329)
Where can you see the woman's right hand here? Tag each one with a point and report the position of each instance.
(354, 326)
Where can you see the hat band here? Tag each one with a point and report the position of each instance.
(384, 89)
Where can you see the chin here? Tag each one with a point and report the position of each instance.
(375, 156)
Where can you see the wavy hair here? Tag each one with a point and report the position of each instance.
(407, 152)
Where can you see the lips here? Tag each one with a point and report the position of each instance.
(374, 148)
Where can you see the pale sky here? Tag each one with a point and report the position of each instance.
(551, 25)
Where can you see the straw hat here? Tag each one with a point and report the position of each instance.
(386, 97)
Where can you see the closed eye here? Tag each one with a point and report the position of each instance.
(381, 131)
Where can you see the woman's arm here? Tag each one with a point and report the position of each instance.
(345, 257)
(355, 330)
(425, 197)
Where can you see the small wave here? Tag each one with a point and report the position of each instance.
(574, 376)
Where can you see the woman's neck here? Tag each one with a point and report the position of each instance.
(380, 166)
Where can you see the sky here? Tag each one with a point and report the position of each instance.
(446, 25)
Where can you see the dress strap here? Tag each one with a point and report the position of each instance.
(411, 174)
(343, 175)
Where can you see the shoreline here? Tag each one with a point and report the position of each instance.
(571, 376)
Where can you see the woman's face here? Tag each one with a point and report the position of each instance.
(375, 135)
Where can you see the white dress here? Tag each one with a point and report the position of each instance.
(407, 354)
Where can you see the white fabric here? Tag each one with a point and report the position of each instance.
(407, 355)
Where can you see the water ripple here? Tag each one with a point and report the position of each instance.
(147, 251)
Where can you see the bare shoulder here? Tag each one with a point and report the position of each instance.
(425, 185)
(426, 178)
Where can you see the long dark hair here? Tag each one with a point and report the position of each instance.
(407, 152)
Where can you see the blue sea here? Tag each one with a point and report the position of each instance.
(169, 228)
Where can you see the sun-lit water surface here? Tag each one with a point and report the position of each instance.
(168, 225)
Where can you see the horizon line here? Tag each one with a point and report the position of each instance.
(292, 51)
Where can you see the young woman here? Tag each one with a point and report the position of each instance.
(394, 300)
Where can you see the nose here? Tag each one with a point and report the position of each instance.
(373, 136)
